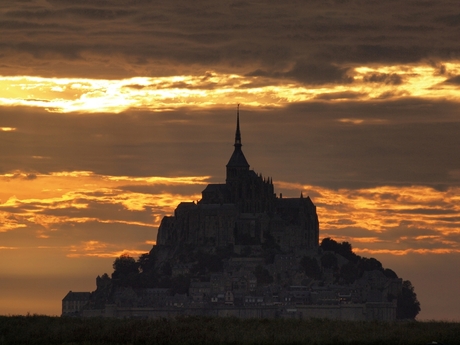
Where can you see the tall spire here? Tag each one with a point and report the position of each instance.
(237, 160)
(238, 133)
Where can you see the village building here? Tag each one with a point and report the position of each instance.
(73, 302)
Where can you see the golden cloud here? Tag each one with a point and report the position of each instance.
(166, 93)
(9, 222)
(60, 198)
(388, 219)
(388, 216)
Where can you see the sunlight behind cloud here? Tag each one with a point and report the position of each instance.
(214, 89)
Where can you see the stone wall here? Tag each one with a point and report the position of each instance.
(352, 312)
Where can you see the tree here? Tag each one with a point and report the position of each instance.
(408, 306)
(328, 244)
(146, 262)
(329, 260)
(125, 264)
(349, 272)
(389, 273)
(148, 274)
(370, 264)
(125, 269)
(345, 249)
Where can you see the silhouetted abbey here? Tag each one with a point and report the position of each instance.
(242, 211)
(245, 252)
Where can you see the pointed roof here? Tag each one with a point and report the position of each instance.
(237, 159)
(238, 133)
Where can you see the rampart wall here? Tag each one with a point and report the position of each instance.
(352, 312)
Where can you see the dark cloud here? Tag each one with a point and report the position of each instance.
(8, 25)
(426, 211)
(100, 211)
(405, 146)
(352, 232)
(389, 79)
(308, 73)
(23, 208)
(136, 86)
(393, 143)
(451, 20)
(45, 51)
(453, 220)
(339, 95)
(379, 53)
(392, 95)
(453, 80)
(308, 42)
(21, 175)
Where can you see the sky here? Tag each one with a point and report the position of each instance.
(112, 112)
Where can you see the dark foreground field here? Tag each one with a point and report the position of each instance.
(196, 330)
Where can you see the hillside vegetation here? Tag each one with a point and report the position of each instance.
(332, 266)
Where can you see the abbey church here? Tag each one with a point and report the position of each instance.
(242, 211)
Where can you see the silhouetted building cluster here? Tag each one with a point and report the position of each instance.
(242, 211)
(267, 239)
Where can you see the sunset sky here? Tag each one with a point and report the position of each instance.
(112, 112)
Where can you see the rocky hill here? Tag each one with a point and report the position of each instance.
(244, 251)
(259, 275)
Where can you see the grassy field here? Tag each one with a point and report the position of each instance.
(37, 329)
